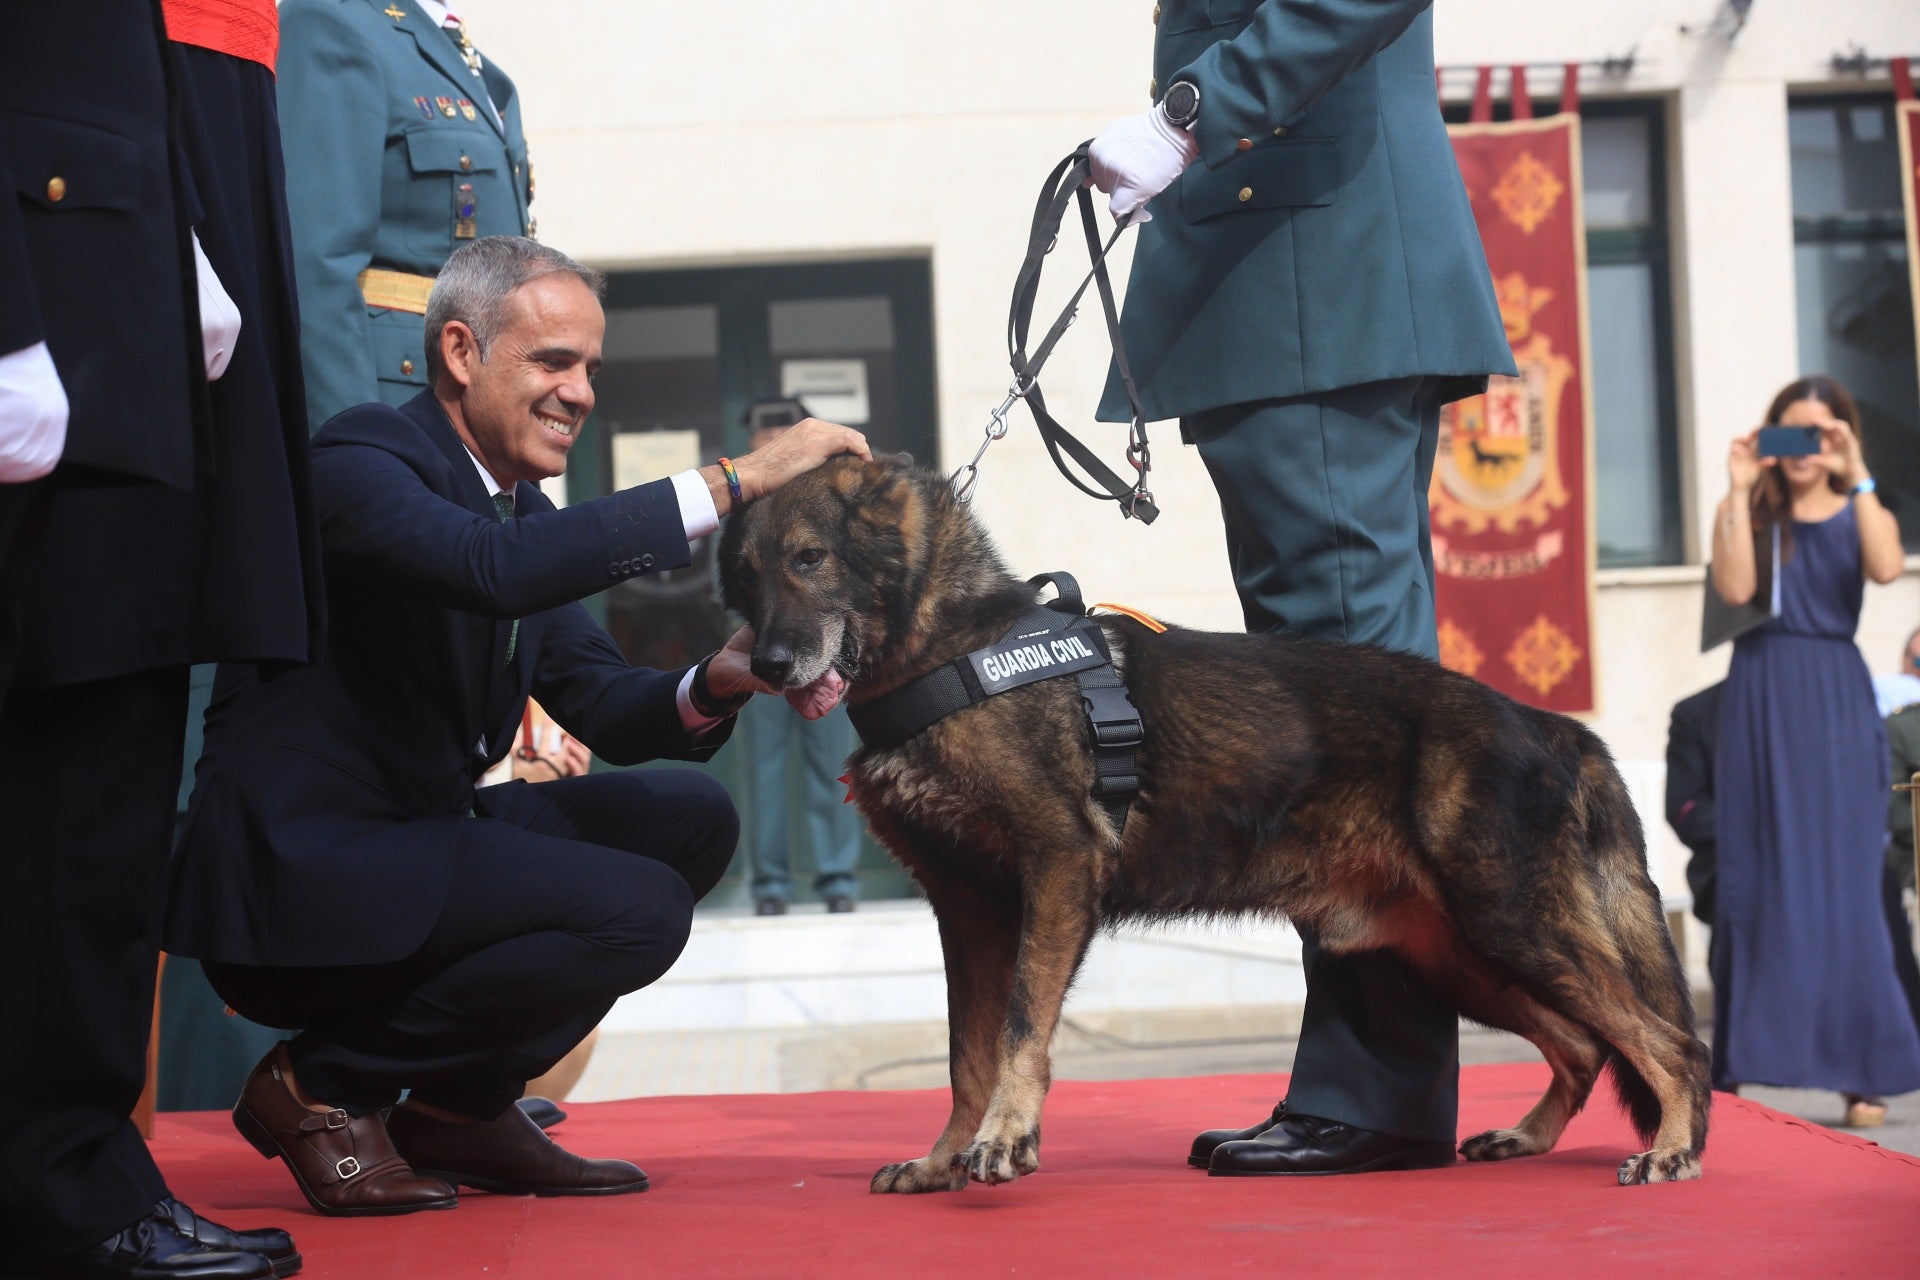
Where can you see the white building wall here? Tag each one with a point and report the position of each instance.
(669, 135)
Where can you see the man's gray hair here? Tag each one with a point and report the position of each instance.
(474, 285)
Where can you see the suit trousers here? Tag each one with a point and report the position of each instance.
(1325, 502)
(566, 897)
(780, 742)
(87, 775)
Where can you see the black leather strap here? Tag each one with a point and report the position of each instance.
(1067, 182)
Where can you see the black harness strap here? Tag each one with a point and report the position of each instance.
(1065, 642)
(1067, 182)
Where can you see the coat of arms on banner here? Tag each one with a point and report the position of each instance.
(1499, 460)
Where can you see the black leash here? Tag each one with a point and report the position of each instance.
(1066, 183)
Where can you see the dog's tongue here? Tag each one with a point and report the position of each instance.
(833, 682)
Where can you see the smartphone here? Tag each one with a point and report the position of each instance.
(1788, 442)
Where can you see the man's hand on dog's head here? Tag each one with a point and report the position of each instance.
(794, 451)
(731, 673)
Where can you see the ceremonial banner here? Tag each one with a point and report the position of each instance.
(1511, 500)
(1906, 121)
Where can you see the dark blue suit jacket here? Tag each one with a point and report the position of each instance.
(328, 801)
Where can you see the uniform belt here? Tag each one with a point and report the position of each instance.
(396, 290)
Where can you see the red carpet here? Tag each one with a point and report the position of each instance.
(776, 1186)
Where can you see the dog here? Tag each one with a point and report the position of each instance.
(1374, 796)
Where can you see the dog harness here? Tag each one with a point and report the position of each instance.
(1049, 641)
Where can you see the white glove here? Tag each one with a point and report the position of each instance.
(33, 415)
(219, 318)
(1136, 158)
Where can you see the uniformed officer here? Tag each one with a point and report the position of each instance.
(1304, 299)
(402, 142)
(163, 527)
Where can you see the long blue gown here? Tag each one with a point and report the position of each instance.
(1805, 993)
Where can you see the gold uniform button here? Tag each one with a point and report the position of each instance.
(1246, 194)
(466, 163)
(406, 368)
(1280, 131)
(56, 189)
(1153, 90)
(1156, 15)
(1245, 144)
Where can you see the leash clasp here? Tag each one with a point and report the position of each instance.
(967, 478)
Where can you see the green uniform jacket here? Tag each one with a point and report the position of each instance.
(387, 134)
(1323, 238)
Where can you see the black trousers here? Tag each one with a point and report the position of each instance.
(87, 777)
(570, 895)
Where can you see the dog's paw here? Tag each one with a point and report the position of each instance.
(1500, 1144)
(1656, 1166)
(992, 1161)
(918, 1175)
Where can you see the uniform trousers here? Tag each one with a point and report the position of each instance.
(571, 894)
(87, 775)
(1325, 502)
(780, 742)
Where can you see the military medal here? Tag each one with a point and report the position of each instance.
(466, 108)
(467, 51)
(447, 108)
(395, 12)
(424, 107)
(464, 227)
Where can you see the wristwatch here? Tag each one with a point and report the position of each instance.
(1181, 104)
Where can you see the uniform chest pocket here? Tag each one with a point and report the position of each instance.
(1288, 173)
(1177, 16)
(455, 180)
(59, 165)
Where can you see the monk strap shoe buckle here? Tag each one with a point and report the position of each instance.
(346, 1168)
(338, 1119)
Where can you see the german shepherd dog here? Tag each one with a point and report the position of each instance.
(1374, 796)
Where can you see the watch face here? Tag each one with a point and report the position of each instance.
(1181, 102)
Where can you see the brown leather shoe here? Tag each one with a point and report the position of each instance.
(508, 1155)
(345, 1166)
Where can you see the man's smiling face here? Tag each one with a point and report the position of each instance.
(524, 405)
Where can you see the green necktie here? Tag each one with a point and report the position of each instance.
(503, 503)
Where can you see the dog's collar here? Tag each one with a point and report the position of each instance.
(1046, 643)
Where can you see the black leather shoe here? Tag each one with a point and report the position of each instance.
(151, 1249)
(839, 904)
(271, 1243)
(770, 907)
(1213, 1139)
(1303, 1146)
(544, 1112)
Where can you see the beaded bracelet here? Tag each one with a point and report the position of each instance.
(733, 482)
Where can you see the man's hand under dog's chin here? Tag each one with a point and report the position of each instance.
(731, 673)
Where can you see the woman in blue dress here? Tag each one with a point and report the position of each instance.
(1805, 993)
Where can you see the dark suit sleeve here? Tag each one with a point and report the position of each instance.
(1689, 777)
(20, 323)
(625, 714)
(1287, 58)
(379, 517)
(333, 129)
(1903, 738)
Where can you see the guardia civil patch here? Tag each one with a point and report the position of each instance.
(1034, 654)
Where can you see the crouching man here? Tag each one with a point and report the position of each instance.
(341, 874)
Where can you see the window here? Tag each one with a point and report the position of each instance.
(1852, 297)
(1636, 480)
